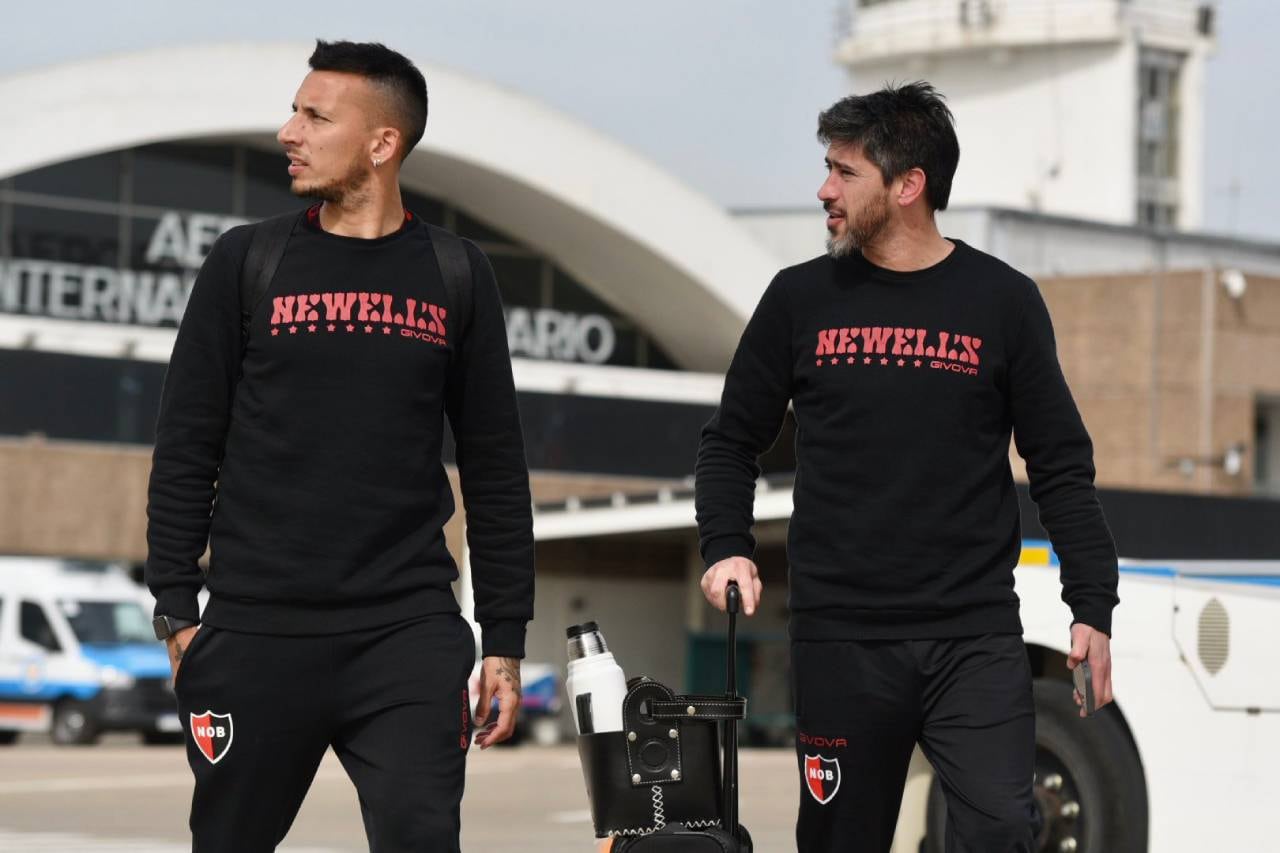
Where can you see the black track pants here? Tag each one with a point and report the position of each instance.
(261, 710)
(862, 706)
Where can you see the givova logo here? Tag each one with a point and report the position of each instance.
(212, 734)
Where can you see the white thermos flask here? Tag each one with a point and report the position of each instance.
(596, 684)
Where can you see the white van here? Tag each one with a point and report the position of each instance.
(78, 656)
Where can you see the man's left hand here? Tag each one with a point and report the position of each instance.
(1095, 647)
(498, 677)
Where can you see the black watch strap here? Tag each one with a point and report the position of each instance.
(166, 626)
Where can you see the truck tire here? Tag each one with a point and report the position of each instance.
(1089, 782)
(8, 738)
(73, 725)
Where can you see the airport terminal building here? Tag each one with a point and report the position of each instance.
(625, 294)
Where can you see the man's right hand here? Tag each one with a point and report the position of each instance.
(178, 645)
(716, 579)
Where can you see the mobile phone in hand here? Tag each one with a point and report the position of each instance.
(1082, 676)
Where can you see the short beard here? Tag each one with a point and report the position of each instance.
(871, 220)
(841, 247)
(345, 191)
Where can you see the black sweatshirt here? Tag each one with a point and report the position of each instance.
(316, 477)
(905, 388)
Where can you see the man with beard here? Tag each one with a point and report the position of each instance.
(909, 359)
(307, 455)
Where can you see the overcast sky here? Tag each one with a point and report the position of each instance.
(722, 93)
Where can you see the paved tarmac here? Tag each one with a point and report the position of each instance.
(122, 797)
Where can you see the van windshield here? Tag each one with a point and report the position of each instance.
(107, 622)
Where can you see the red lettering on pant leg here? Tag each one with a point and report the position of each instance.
(826, 341)
(463, 740)
(282, 309)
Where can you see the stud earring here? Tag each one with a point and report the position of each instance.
(376, 162)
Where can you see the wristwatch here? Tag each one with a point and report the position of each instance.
(166, 626)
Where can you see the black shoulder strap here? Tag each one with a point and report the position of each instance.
(455, 270)
(266, 248)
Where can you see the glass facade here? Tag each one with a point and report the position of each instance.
(118, 238)
(113, 400)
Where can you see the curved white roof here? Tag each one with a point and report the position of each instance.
(661, 253)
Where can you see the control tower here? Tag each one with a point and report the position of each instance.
(1083, 108)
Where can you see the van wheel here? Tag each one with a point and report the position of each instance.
(1089, 785)
(8, 738)
(72, 724)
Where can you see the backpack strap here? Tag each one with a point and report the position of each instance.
(455, 270)
(266, 248)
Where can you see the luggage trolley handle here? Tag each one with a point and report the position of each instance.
(733, 602)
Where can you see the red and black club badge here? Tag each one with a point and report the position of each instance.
(212, 734)
(822, 777)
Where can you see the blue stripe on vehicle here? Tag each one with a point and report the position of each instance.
(13, 689)
(1167, 572)
(1149, 571)
(141, 660)
(1248, 580)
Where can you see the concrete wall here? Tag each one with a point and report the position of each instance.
(72, 499)
(1165, 368)
(1044, 93)
(1049, 129)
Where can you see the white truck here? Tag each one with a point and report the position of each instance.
(78, 656)
(1185, 759)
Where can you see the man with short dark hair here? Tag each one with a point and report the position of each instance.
(909, 359)
(305, 450)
